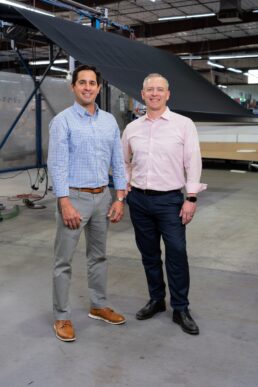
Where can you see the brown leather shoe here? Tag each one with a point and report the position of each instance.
(64, 330)
(107, 315)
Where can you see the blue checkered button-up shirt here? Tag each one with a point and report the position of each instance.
(83, 148)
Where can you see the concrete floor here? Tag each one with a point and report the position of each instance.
(223, 250)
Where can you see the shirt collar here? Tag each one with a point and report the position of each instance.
(165, 115)
(82, 111)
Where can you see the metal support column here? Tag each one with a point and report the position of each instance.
(38, 127)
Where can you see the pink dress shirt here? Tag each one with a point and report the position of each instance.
(163, 154)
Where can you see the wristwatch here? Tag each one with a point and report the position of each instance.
(192, 199)
(121, 200)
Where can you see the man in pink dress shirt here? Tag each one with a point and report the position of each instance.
(162, 156)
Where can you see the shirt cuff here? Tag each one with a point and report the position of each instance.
(119, 184)
(195, 187)
(59, 193)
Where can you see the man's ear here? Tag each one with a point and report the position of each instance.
(142, 94)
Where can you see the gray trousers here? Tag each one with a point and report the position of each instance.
(93, 209)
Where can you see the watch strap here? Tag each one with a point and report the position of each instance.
(192, 199)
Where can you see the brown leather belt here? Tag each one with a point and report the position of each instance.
(90, 190)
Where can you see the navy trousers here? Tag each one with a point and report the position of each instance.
(154, 217)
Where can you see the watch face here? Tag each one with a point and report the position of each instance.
(192, 199)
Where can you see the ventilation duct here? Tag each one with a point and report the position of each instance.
(230, 11)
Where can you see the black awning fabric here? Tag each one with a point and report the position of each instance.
(125, 63)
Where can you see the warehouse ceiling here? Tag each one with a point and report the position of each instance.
(230, 27)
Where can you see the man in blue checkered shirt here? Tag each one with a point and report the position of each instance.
(84, 144)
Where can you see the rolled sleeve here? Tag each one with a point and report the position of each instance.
(192, 160)
(117, 163)
(58, 157)
(195, 188)
(127, 157)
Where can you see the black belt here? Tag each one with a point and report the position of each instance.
(152, 192)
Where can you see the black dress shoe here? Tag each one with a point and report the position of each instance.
(184, 319)
(151, 308)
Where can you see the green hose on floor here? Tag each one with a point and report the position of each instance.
(10, 213)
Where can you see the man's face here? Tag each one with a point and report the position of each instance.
(86, 88)
(155, 94)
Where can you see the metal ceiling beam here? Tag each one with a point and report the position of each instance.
(41, 5)
(94, 4)
(149, 30)
(208, 46)
(54, 8)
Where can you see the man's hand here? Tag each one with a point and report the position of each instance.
(71, 217)
(116, 212)
(187, 212)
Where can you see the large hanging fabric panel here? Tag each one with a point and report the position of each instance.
(125, 63)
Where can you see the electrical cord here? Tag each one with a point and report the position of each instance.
(30, 204)
(11, 177)
(30, 199)
(39, 179)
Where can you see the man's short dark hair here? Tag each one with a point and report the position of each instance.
(83, 68)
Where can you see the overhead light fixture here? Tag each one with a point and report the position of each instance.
(190, 57)
(219, 66)
(252, 76)
(240, 56)
(186, 16)
(253, 73)
(234, 70)
(19, 5)
(255, 11)
(59, 69)
(222, 86)
(46, 62)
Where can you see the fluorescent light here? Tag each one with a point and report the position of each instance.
(222, 86)
(201, 15)
(255, 11)
(251, 73)
(254, 73)
(252, 76)
(59, 69)
(191, 57)
(172, 18)
(46, 62)
(234, 70)
(240, 56)
(215, 65)
(186, 16)
(19, 5)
